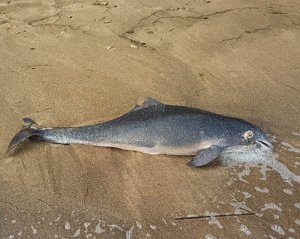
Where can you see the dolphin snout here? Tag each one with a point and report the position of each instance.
(265, 143)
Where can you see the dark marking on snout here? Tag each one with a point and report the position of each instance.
(264, 143)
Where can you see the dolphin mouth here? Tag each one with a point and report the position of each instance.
(265, 143)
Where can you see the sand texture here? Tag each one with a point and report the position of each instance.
(70, 63)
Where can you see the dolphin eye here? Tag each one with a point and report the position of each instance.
(248, 134)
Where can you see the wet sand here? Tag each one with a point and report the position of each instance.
(68, 63)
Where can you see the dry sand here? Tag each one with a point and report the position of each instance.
(67, 63)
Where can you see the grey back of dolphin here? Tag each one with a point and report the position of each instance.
(157, 128)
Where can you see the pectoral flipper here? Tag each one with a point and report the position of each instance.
(206, 156)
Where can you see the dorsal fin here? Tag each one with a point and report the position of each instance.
(146, 103)
(150, 102)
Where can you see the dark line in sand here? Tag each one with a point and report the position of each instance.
(291, 87)
(85, 196)
(249, 213)
(46, 204)
(11, 204)
(43, 110)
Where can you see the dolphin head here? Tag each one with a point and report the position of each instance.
(256, 136)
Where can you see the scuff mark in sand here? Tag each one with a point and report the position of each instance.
(153, 227)
(129, 233)
(278, 229)
(272, 206)
(245, 229)
(77, 233)
(240, 206)
(98, 229)
(273, 138)
(291, 230)
(34, 231)
(247, 195)
(262, 190)
(212, 220)
(165, 222)
(139, 225)
(86, 225)
(288, 191)
(67, 226)
(290, 147)
(209, 236)
(112, 226)
(58, 218)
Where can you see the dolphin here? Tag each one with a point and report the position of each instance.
(156, 128)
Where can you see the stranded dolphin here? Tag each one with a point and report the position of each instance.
(156, 128)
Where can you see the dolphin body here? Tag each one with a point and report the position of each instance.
(156, 128)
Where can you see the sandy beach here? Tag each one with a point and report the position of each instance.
(71, 63)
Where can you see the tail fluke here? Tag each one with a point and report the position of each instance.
(29, 122)
(28, 131)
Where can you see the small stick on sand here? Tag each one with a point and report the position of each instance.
(248, 213)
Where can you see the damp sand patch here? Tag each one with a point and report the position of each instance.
(265, 160)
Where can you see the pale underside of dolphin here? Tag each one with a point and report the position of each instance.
(156, 128)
